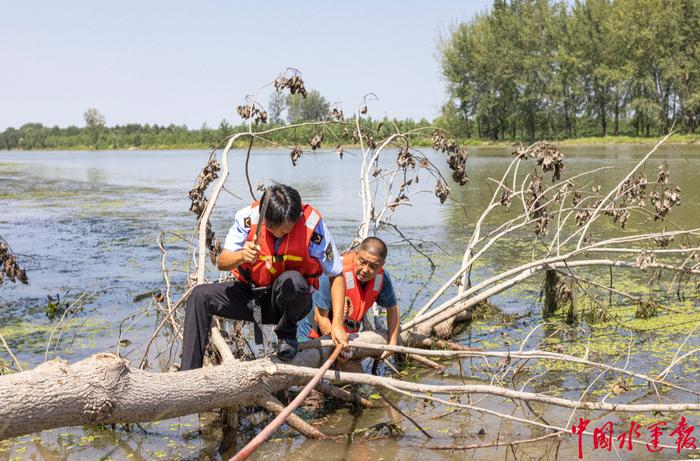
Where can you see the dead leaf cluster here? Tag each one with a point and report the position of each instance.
(506, 198)
(644, 259)
(213, 244)
(9, 267)
(441, 191)
(253, 110)
(315, 142)
(337, 114)
(405, 159)
(456, 156)
(208, 174)
(295, 155)
(548, 156)
(663, 203)
(295, 84)
(662, 177)
(535, 209)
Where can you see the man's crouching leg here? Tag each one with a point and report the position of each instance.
(196, 328)
(291, 298)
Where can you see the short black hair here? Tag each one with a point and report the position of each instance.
(283, 206)
(375, 246)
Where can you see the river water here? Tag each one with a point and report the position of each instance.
(85, 225)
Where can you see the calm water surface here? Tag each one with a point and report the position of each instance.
(85, 225)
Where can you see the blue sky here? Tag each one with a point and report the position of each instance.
(192, 62)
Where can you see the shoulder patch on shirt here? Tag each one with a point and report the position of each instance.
(329, 252)
(316, 238)
(246, 222)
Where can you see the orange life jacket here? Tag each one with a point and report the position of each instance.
(362, 298)
(292, 250)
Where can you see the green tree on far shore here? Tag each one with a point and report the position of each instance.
(313, 107)
(532, 69)
(95, 123)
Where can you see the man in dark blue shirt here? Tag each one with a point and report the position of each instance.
(363, 272)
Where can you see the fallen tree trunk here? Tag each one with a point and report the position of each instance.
(105, 389)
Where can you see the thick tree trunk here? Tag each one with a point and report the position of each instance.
(105, 389)
(603, 119)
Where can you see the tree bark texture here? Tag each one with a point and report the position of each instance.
(104, 389)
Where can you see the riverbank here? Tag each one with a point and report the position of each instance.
(582, 141)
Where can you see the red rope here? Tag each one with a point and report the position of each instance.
(284, 414)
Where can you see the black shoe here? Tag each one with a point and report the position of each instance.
(287, 349)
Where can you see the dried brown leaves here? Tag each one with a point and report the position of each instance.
(362, 134)
(405, 159)
(315, 142)
(663, 203)
(663, 240)
(633, 190)
(199, 203)
(252, 109)
(337, 114)
(9, 267)
(441, 191)
(294, 83)
(208, 174)
(295, 155)
(662, 177)
(644, 259)
(456, 156)
(213, 244)
(548, 156)
(535, 209)
(506, 198)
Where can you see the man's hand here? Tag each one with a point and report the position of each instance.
(393, 320)
(339, 336)
(250, 252)
(346, 354)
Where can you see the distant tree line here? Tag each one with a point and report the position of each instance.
(97, 135)
(559, 69)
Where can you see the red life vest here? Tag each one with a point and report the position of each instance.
(362, 298)
(292, 250)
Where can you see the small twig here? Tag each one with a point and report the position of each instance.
(395, 407)
(9, 351)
